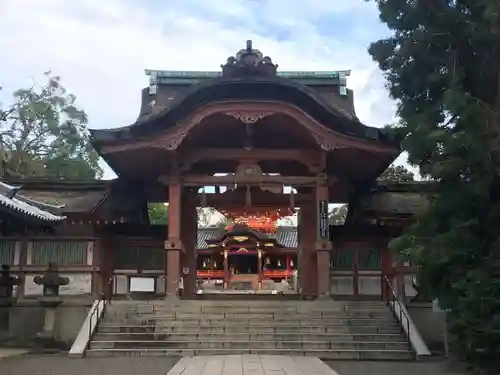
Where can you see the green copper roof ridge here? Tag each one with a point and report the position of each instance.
(320, 74)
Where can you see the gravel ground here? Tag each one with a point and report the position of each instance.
(136, 365)
(63, 365)
(395, 368)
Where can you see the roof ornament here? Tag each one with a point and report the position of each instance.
(249, 62)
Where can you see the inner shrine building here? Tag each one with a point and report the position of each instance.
(257, 144)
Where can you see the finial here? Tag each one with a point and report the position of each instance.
(249, 62)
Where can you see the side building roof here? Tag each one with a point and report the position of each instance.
(25, 208)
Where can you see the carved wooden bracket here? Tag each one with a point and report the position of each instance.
(246, 171)
(172, 142)
(249, 117)
(327, 143)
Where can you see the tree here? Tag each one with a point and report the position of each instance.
(397, 173)
(205, 215)
(441, 63)
(338, 215)
(43, 134)
(158, 213)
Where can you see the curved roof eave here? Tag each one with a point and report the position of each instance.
(223, 89)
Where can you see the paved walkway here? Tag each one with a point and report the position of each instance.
(250, 364)
(137, 365)
(6, 353)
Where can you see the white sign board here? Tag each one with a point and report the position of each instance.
(142, 284)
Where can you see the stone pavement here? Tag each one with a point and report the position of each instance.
(137, 365)
(6, 353)
(250, 364)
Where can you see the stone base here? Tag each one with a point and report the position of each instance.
(324, 297)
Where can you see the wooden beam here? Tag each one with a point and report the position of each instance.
(309, 158)
(231, 180)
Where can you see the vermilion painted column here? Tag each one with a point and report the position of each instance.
(189, 229)
(173, 245)
(322, 245)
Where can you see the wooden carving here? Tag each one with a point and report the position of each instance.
(245, 172)
(172, 142)
(249, 117)
(327, 143)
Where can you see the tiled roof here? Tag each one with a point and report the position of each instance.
(26, 207)
(206, 234)
(286, 236)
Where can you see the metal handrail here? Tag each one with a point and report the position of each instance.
(95, 313)
(402, 312)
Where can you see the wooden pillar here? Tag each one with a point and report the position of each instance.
(259, 266)
(173, 245)
(104, 246)
(306, 259)
(323, 246)
(94, 251)
(386, 263)
(189, 229)
(226, 269)
(22, 261)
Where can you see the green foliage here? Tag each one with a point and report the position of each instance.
(397, 173)
(158, 213)
(441, 63)
(43, 134)
(337, 215)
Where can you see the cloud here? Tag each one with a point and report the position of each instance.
(101, 48)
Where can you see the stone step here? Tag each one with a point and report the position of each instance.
(245, 345)
(292, 336)
(396, 355)
(252, 309)
(172, 322)
(270, 328)
(263, 315)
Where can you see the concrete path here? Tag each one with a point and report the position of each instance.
(250, 364)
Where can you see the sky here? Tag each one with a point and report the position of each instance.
(100, 48)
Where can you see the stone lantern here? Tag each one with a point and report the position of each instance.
(7, 283)
(51, 281)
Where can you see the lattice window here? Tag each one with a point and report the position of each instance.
(369, 258)
(343, 258)
(59, 252)
(145, 258)
(7, 251)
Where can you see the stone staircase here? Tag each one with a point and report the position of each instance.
(325, 329)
